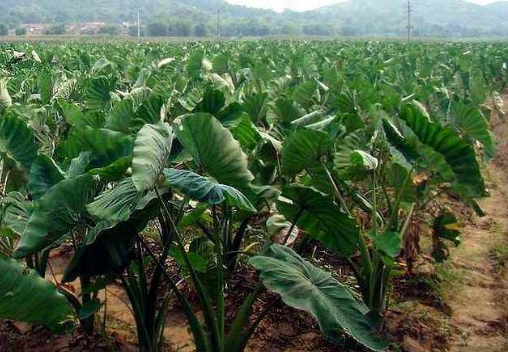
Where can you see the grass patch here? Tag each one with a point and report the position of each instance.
(499, 255)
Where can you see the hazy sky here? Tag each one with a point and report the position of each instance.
(300, 5)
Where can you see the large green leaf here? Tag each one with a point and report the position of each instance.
(214, 149)
(320, 217)
(45, 86)
(17, 210)
(151, 151)
(203, 189)
(105, 146)
(56, 213)
(304, 149)
(43, 175)
(305, 93)
(98, 94)
(29, 298)
(121, 115)
(459, 154)
(256, 106)
(17, 141)
(474, 125)
(149, 111)
(304, 286)
(116, 204)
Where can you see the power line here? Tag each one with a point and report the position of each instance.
(218, 23)
(139, 24)
(409, 27)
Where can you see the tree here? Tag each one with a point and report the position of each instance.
(181, 29)
(4, 30)
(200, 30)
(317, 30)
(58, 29)
(158, 29)
(133, 31)
(20, 31)
(109, 30)
(290, 28)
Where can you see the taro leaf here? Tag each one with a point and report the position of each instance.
(56, 213)
(105, 146)
(256, 106)
(76, 118)
(17, 141)
(398, 179)
(45, 86)
(90, 308)
(71, 113)
(388, 243)
(114, 171)
(192, 217)
(198, 63)
(204, 190)
(43, 175)
(309, 119)
(363, 161)
(304, 149)
(79, 164)
(231, 115)
(306, 287)
(320, 217)
(29, 298)
(459, 154)
(199, 263)
(403, 149)
(109, 254)
(214, 149)
(446, 227)
(305, 93)
(473, 124)
(350, 162)
(149, 111)
(16, 180)
(65, 89)
(213, 102)
(121, 116)
(246, 133)
(151, 151)
(5, 98)
(478, 86)
(97, 95)
(116, 204)
(17, 211)
(287, 111)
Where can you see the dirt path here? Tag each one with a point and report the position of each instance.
(480, 307)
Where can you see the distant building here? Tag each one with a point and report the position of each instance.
(34, 28)
(89, 27)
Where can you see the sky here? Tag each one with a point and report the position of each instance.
(302, 5)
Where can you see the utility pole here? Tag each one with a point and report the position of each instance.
(139, 24)
(409, 9)
(218, 23)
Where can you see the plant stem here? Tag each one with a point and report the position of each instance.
(336, 189)
(202, 293)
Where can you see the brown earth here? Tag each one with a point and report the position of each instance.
(480, 308)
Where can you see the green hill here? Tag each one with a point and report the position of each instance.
(385, 18)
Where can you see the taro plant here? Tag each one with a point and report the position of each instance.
(136, 156)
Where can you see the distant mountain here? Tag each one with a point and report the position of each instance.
(429, 17)
(383, 18)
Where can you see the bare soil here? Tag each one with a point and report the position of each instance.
(480, 309)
